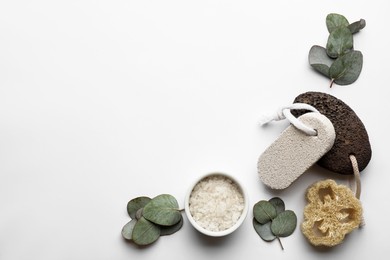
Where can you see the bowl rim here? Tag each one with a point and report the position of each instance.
(230, 229)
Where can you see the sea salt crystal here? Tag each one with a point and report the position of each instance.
(216, 203)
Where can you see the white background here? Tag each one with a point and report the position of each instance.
(104, 101)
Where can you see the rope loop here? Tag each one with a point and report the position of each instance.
(285, 113)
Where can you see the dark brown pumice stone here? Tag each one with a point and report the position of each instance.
(351, 135)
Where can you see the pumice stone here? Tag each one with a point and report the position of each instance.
(294, 151)
(351, 135)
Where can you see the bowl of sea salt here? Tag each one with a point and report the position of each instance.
(216, 205)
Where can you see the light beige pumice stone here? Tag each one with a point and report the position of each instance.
(289, 156)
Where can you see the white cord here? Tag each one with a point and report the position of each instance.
(285, 113)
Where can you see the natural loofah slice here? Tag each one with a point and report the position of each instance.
(332, 212)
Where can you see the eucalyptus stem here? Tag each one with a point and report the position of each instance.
(280, 242)
(331, 82)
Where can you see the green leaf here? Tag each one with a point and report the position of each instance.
(127, 229)
(169, 230)
(346, 69)
(145, 232)
(135, 204)
(264, 211)
(357, 26)
(319, 59)
(138, 214)
(340, 41)
(278, 203)
(264, 230)
(162, 210)
(284, 224)
(334, 21)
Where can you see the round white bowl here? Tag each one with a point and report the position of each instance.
(223, 232)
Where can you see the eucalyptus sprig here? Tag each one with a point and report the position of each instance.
(152, 218)
(272, 221)
(338, 61)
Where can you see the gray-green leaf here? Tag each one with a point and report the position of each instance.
(169, 230)
(264, 230)
(264, 211)
(278, 203)
(334, 21)
(346, 69)
(127, 229)
(162, 210)
(138, 214)
(357, 26)
(319, 59)
(284, 224)
(340, 41)
(145, 232)
(135, 204)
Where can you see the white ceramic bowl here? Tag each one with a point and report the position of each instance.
(224, 232)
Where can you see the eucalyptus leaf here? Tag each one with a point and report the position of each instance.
(145, 232)
(162, 210)
(319, 59)
(127, 229)
(169, 230)
(264, 230)
(334, 21)
(338, 61)
(346, 69)
(278, 203)
(357, 26)
(284, 224)
(139, 212)
(135, 204)
(264, 211)
(340, 41)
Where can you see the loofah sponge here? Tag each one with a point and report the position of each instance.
(332, 212)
